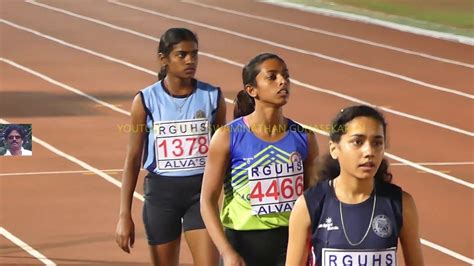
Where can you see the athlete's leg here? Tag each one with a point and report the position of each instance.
(166, 254)
(202, 248)
(162, 220)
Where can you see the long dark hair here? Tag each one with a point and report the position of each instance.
(17, 128)
(329, 168)
(244, 104)
(169, 39)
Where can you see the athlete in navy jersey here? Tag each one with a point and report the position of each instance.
(354, 216)
(177, 114)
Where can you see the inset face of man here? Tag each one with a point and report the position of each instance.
(14, 140)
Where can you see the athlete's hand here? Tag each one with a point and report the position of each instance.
(125, 233)
(232, 258)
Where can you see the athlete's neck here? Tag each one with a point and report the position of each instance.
(267, 121)
(178, 86)
(352, 190)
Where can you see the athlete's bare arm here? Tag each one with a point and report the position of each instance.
(409, 235)
(300, 223)
(125, 232)
(310, 164)
(214, 173)
(220, 113)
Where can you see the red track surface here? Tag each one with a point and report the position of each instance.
(70, 218)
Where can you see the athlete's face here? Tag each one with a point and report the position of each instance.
(273, 83)
(360, 150)
(14, 140)
(182, 60)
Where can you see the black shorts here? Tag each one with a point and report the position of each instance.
(171, 205)
(260, 247)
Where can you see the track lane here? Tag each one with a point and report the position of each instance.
(443, 138)
(450, 50)
(11, 253)
(451, 76)
(369, 84)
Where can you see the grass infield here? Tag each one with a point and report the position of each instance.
(452, 16)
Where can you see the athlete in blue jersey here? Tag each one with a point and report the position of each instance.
(177, 115)
(264, 161)
(355, 216)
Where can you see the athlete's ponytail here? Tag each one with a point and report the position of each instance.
(329, 167)
(244, 103)
(168, 40)
(163, 72)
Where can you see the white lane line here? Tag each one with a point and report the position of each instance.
(368, 20)
(429, 170)
(57, 172)
(92, 20)
(33, 252)
(447, 251)
(136, 33)
(121, 170)
(419, 167)
(386, 109)
(329, 33)
(240, 65)
(298, 50)
(437, 163)
(70, 157)
(117, 183)
(61, 172)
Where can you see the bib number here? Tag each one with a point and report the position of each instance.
(181, 145)
(274, 188)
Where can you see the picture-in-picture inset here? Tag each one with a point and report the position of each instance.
(15, 140)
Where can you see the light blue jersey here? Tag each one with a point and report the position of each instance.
(178, 129)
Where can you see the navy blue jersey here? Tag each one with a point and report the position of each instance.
(333, 246)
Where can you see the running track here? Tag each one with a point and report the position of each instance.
(71, 68)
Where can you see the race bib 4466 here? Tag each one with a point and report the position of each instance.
(275, 187)
(181, 145)
(339, 257)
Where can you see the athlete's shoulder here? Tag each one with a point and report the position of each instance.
(151, 87)
(319, 189)
(236, 122)
(201, 85)
(230, 127)
(315, 198)
(389, 187)
(389, 190)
